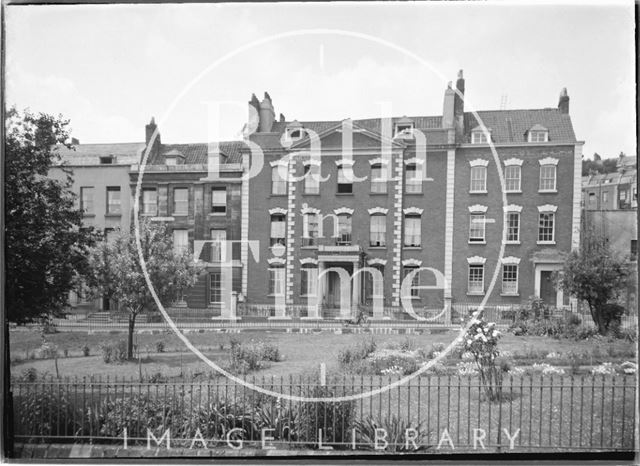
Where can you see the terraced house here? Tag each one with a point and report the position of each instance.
(437, 205)
(406, 215)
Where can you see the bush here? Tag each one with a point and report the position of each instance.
(160, 347)
(48, 350)
(85, 350)
(334, 418)
(396, 430)
(114, 352)
(247, 357)
(357, 353)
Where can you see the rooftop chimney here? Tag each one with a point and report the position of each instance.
(459, 100)
(563, 103)
(253, 119)
(149, 130)
(267, 114)
(448, 107)
(282, 118)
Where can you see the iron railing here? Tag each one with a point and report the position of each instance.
(558, 413)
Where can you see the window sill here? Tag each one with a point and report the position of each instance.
(475, 293)
(216, 214)
(547, 191)
(278, 195)
(479, 192)
(477, 242)
(378, 193)
(344, 194)
(414, 193)
(310, 194)
(378, 247)
(308, 247)
(512, 242)
(412, 248)
(514, 295)
(546, 242)
(113, 215)
(179, 215)
(514, 192)
(275, 295)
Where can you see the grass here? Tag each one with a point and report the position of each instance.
(301, 352)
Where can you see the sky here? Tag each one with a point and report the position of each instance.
(110, 68)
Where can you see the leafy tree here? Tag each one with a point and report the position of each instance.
(596, 274)
(115, 271)
(45, 246)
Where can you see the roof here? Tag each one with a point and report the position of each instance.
(610, 179)
(511, 126)
(89, 154)
(197, 153)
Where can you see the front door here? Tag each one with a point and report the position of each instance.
(547, 288)
(337, 287)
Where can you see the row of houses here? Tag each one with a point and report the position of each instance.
(471, 206)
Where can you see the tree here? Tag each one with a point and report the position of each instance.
(115, 271)
(46, 245)
(596, 275)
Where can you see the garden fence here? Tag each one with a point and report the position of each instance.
(546, 412)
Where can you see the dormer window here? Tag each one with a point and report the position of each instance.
(294, 131)
(538, 134)
(404, 129)
(479, 137)
(170, 161)
(108, 160)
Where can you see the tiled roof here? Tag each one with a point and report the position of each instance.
(196, 153)
(89, 154)
(610, 179)
(511, 125)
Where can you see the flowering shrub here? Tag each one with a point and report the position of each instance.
(481, 340)
(466, 368)
(547, 369)
(516, 371)
(467, 356)
(553, 355)
(389, 361)
(603, 369)
(629, 367)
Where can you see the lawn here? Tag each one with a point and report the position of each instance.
(301, 352)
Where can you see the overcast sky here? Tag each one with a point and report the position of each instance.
(110, 68)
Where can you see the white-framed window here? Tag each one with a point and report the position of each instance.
(181, 201)
(478, 183)
(378, 183)
(278, 181)
(345, 186)
(512, 177)
(170, 161)
(312, 179)
(546, 227)
(310, 228)
(378, 230)
(344, 230)
(403, 130)
(278, 229)
(475, 282)
(547, 177)
(592, 200)
(513, 227)
(113, 200)
(415, 282)
(538, 136)
(276, 280)
(308, 280)
(478, 137)
(149, 201)
(86, 200)
(180, 241)
(413, 179)
(218, 238)
(510, 279)
(412, 230)
(215, 287)
(477, 224)
(605, 197)
(219, 200)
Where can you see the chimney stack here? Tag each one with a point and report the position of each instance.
(253, 120)
(459, 100)
(267, 114)
(149, 130)
(448, 108)
(563, 103)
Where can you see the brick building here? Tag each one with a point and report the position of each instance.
(447, 216)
